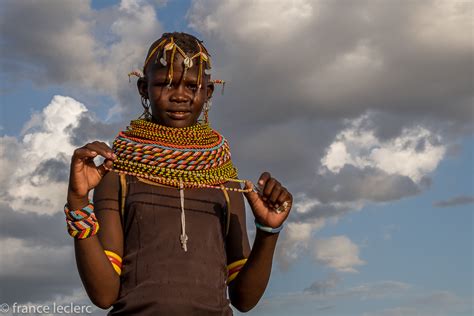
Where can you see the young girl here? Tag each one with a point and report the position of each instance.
(165, 233)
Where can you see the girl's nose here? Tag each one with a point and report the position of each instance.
(179, 94)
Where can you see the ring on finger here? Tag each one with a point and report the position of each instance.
(282, 208)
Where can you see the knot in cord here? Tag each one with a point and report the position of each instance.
(183, 238)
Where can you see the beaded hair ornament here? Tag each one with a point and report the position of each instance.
(167, 45)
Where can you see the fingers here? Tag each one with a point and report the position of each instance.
(91, 150)
(84, 175)
(284, 196)
(83, 153)
(251, 195)
(101, 149)
(102, 170)
(108, 164)
(272, 192)
(263, 179)
(83, 157)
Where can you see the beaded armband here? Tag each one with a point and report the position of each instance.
(82, 223)
(233, 269)
(267, 229)
(115, 260)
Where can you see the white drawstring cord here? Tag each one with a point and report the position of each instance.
(183, 238)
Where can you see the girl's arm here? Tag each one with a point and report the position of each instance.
(101, 281)
(248, 287)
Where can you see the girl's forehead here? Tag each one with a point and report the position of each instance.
(158, 69)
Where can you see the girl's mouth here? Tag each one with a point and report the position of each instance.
(178, 115)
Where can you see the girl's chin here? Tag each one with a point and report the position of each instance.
(179, 122)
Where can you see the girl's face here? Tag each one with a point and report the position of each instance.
(180, 104)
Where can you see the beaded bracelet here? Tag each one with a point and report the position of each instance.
(81, 223)
(78, 215)
(234, 268)
(83, 233)
(115, 260)
(268, 229)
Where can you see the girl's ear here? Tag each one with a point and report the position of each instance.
(210, 90)
(142, 86)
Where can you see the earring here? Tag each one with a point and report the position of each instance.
(207, 107)
(146, 109)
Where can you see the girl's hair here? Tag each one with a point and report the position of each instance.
(187, 42)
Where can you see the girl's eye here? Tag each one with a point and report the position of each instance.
(192, 86)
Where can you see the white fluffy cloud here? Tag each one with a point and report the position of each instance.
(299, 239)
(338, 252)
(415, 153)
(36, 264)
(33, 163)
(296, 240)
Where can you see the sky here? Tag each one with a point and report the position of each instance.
(363, 109)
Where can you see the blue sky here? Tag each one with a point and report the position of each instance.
(370, 126)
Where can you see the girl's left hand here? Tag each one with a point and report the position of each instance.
(272, 205)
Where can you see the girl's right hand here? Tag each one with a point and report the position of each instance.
(84, 174)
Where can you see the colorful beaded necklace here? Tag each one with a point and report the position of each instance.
(189, 157)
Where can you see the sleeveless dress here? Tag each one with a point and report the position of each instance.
(158, 276)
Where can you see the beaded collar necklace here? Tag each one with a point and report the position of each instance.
(190, 157)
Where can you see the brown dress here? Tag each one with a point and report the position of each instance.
(158, 276)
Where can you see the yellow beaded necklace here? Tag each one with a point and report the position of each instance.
(190, 157)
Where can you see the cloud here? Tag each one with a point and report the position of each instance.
(35, 272)
(338, 252)
(54, 45)
(133, 26)
(437, 303)
(358, 168)
(37, 252)
(91, 128)
(414, 153)
(455, 201)
(34, 229)
(377, 290)
(330, 294)
(344, 114)
(367, 184)
(321, 287)
(36, 166)
(313, 67)
(67, 43)
(295, 241)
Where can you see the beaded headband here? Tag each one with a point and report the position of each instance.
(167, 45)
